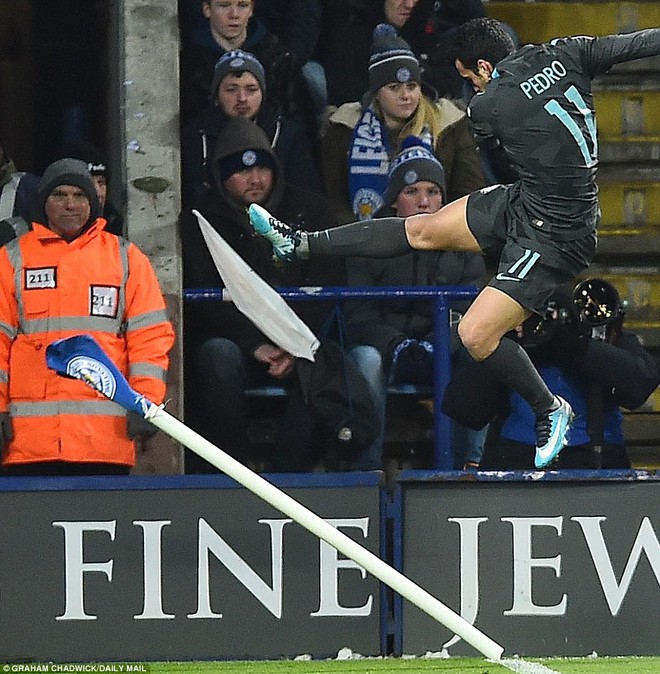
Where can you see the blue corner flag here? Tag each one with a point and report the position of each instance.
(82, 358)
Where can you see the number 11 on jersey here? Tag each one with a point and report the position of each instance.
(554, 108)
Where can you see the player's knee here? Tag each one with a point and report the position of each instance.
(475, 339)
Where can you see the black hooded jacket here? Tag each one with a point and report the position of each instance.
(299, 208)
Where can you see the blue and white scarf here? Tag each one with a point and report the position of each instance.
(368, 165)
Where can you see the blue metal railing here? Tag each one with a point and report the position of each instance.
(441, 296)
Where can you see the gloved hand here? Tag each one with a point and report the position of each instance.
(138, 428)
(6, 432)
(412, 363)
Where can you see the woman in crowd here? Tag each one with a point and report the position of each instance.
(363, 137)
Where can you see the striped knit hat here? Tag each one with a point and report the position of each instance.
(392, 59)
(237, 62)
(415, 163)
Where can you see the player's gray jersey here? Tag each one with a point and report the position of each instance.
(539, 105)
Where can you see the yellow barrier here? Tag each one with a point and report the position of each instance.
(633, 204)
(543, 21)
(628, 114)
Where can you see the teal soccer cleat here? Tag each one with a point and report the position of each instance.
(283, 238)
(551, 430)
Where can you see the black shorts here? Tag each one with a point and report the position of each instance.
(531, 263)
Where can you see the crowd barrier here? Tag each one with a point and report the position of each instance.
(441, 296)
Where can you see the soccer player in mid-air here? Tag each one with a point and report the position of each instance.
(537, 103)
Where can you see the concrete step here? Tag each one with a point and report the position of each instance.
(644, 457)
(642, 428)
(623, 244)
(543, 21)
(629, 149)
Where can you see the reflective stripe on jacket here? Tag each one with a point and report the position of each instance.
(98, 284)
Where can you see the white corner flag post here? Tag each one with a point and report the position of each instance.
(82, 358)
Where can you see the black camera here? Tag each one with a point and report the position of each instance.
(593, 309)
(539, 329)
(599, 308)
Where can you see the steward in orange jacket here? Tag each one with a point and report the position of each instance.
(69, 276)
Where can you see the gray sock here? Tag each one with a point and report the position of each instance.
(513, 367)
(382, 238)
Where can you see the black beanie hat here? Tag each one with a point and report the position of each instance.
(392, 59)
(237, 62)
(66, 172)
(242, 161)
(415, 162)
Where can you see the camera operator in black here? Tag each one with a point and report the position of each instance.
(584, 354)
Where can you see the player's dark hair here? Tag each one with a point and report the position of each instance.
(481, 38)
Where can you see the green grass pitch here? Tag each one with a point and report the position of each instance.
(605, 665)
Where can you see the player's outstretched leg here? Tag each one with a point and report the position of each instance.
(551, 430)
(382, 238)
(283, 238)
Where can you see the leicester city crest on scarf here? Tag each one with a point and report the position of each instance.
(368, 165)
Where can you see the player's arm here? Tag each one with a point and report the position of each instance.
(599, 54)
(481, 112)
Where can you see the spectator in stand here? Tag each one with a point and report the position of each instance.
(347, 26)
(297, 23)
(98, 168)
(224, 352)
(584, 354)
(229, 25)
(17, 194)
(345, 39)
(431, 20)
(66, 276)
(430, 32)
(363, 137)
(239, 89)
(394, 340)
(428, 27)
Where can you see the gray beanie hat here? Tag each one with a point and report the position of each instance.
(413, 164)
(237, 62)
(66, 172)
(392, 59)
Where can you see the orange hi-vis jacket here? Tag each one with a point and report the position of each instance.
(98, 284)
